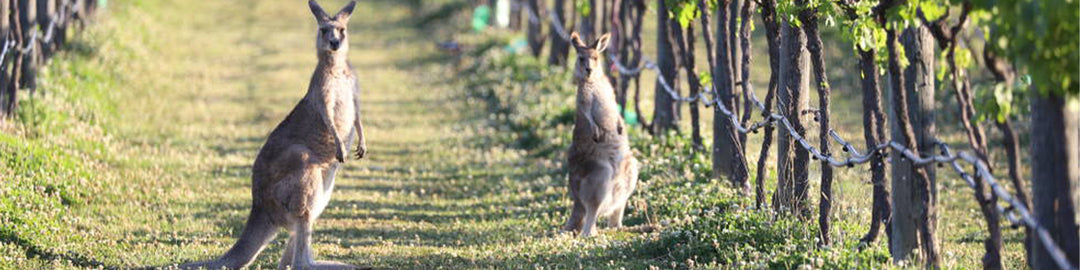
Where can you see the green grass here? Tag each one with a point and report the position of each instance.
(136, 151)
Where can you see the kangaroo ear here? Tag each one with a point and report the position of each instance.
(316, 10)
(601, 43)
(574, 38)
(346, 11)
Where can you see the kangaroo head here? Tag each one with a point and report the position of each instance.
(333, 30)
(589, 56)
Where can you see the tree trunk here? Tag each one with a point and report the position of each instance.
(27, 20)
(667, 110)
(7, 89)
(1004, 73)
(735, 63)
(1055, 175)
(723, 81)
(61, 35)
(772, 35)
(13, 85)
(1012, 151)
(727, 152)
(814, 45)
(621, 38)
(536, 21)
(874, 134)
(976, 138)
(45, 11)
(675, 32)
(632, 11)
(792, 159)
(612, 25)
(587, 28)
(560, 48)
(746, 53)
(988, 205)
(605, 12)
(686, 47)
(515, 15)
(913, 187)
(707, 35)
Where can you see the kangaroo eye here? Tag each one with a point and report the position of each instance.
(322, 31)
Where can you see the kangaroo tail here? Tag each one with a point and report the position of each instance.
(258, 232)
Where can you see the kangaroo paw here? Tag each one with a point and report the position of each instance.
(361, 150)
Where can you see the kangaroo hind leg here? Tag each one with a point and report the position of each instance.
(577, 214)
(290, 252)
(594, 193)
(301, 204)
(303, 256)
(615, 220)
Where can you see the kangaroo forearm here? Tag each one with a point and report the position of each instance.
(359, 131)
(339, 153)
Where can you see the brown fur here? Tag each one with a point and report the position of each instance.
(293, 175)
(603, 171)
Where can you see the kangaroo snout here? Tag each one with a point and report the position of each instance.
(335, 44)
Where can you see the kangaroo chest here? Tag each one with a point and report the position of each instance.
(339, 97)
(599, 102)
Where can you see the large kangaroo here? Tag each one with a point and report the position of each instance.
(293, 174)
(603, 171)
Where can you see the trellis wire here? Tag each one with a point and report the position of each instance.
(1016, 213)
(43, 39)
(8, 45)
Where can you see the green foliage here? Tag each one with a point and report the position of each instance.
(1041, 37)
(529, 101)
(705, 78)
(865, 33)
(733, 237)
(788, 11)
(964, 61)
(709, 225)
(584, 8)
(999, 101)
(907, 14)
(686, 11)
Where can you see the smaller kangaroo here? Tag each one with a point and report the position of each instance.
(293, 175)
(603, 170)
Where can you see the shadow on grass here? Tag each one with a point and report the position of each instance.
(34, 251)
(552, 257)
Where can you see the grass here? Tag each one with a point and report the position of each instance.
(136, 151)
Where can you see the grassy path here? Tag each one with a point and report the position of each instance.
(425, 197)
(212, 78)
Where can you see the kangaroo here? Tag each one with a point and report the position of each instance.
(293, 174)
(603, 171)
